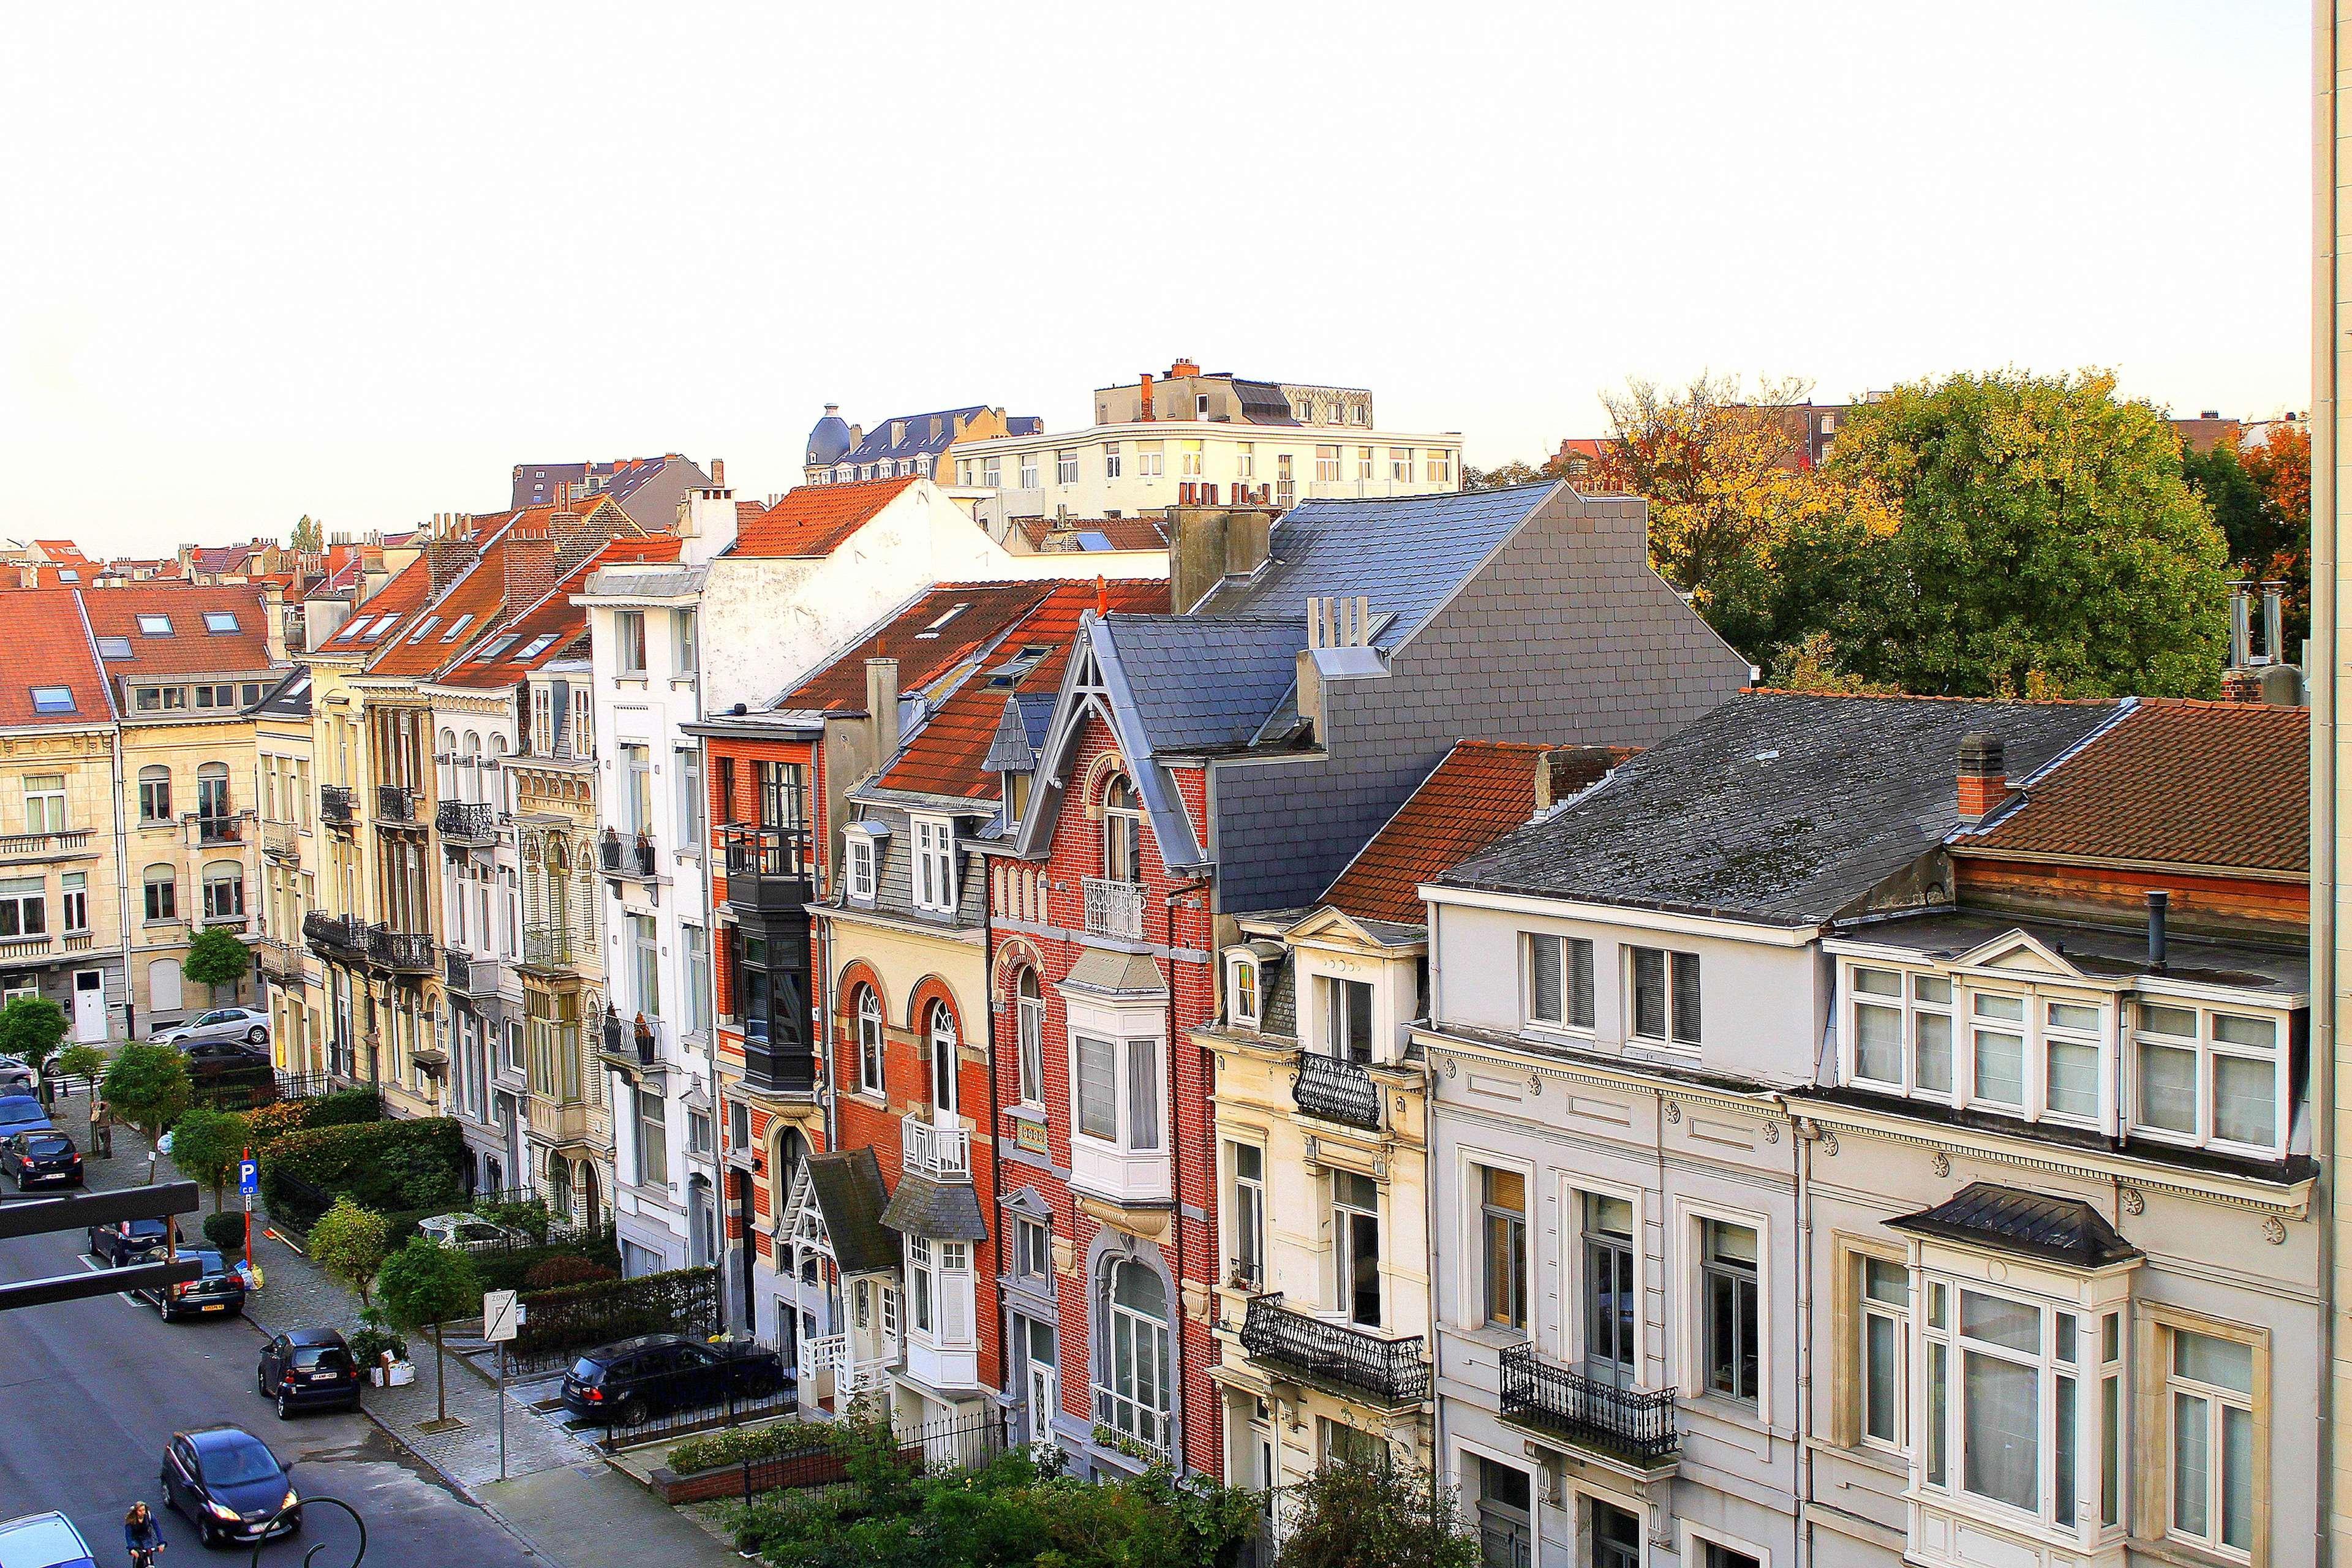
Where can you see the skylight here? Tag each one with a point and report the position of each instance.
(933, 629)
(457, 625)
(114, 647)
(156, 626)
(221, 620)
(497, 646)
(537, 645)
(383, 623)
(423, 627)
(53, 700)
(68, 574)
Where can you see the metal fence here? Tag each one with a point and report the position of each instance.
(971, 1442)
(753, 1383)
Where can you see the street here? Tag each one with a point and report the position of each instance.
(92, 1390)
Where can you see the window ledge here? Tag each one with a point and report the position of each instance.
(1493, 1336)
(1026, 1113)
(2183, 1553)
(1893, 1466)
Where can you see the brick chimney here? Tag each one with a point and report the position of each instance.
(575, 539)
(530, 558)
(1144, 392)
(1183, 367)
(448, 548)
(1984, 776)
(882, 707)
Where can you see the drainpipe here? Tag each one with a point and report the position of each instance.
(1175, 1174)
(2323, 679)
(993, 1220)
(1802, 1136)
(122, 883)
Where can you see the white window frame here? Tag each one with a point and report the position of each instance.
(2207, 1047)
(1237, 1014)
(872, 1043)
(1568, 1023)
(1111, 464)
(1689, 1242)
(44, 808)
(629, 642)
(1670, 1040)
(1912, 1004)
(933, 882)
(1574, 1188)
(2217, 1397)
(1151, 460)
(1868, 1309)
(2049, 1368)
(1065, 466)
(1471, 1314)
(863, 855)
(1028, 471)
(1252, 1228)
(1029, 1032)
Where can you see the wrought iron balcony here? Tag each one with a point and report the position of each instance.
(547, 947)
(467, 822)
(396, 805)
(400, 952)
(466, 975)
(218, 830)
(943, 1154)
(337, 936)
(1342, 1353)
(622, 857)
(631, 1044)
(45, 846)
(1627, 1423)
(1114, 908)
(767, 867)
(335, 804)
(1336, 1092)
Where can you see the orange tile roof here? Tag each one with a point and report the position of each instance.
(816, 519)
(929, 637)
(1123, 533)
(46, 638)
(191, 647)
(1481, 790)
(554, 617)
(949, 756)
(2175, 783)
(400, 598)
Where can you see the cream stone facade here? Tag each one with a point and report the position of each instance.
(62, 844)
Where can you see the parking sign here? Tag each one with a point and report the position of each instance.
(248, 1176)
(501, 1314)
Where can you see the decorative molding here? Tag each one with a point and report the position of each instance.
(2056, 1167)
(1674, 1111)
(1941, 1164)
(2133, 1203)
(2274, 1230)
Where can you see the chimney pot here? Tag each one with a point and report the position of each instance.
(1984, 776)
(2157, 903)
(719, 472)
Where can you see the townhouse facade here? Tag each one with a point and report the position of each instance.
(908, 446)
(287, 802)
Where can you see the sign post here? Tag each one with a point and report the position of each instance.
(248, 1182)
(501, 1315)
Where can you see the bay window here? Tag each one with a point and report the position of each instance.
(1119, 1088)
(2208, 1076)
(861, 849)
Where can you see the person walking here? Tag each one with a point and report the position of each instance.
(102, 1128)
(141, 1537)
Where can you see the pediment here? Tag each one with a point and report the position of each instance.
(2018, 953)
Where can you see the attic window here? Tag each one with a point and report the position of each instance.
(53, 700)
(537, 645)
(933, 629)
(156, 626)
(221, 622)
(497, 645)
(456, 627)
(114, 647)
(68, 574)
(422, 628)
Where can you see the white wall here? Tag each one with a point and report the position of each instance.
(1133, 492)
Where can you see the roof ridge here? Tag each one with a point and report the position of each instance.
(1939, 697)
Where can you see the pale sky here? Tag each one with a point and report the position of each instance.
(257, 261)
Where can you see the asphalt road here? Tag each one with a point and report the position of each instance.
(90, 1391)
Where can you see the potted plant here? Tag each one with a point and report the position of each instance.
(384, 1353)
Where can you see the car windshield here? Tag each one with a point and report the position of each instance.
(213, 1267)
(238, 1463)
(47, 1144)
(321, 1358)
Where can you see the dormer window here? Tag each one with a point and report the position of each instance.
(1244, 992)
(2208, 1076)
(1016, 798)
(860, 872)
(934, 869)
(1346, 1007)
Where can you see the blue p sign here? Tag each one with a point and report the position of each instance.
(248, 1176)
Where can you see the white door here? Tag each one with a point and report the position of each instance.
(163, 986)
(89, 1006)
(1043, 1387)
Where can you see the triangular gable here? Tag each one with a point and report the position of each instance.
(1094, 683)
(803, 1220)
(1330, 921)
(2019, 952)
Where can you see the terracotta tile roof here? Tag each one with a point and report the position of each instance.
(554, 618)
(949, 755)
(47, 635)
(816, 519)
(944, 628)
(402, 598)
(1481, 790)
(1070, 532)
(2179, 783)
(192, 647)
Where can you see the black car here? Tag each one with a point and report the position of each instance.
(229, 1485)
(231, 1053)
(308, 1367)
(632, 1381)
(220, 1293)
(41, 1160)
(130, 1241)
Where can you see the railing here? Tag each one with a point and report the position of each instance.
(468, 975)
(340, 934)
(335, 804)
(1147, 1426)
(755, 1385)
(830, 1353)
(1502, 1544)
(395, 804)
(547, 947)
(78, 941)
(626, 1041)
(1337, 1090)
(474, 822)
(279, 841)
(43, 846)
(624, 858)
(1627, 1422)
(943, 1153)
(1114, 908)
(767, 867)
(559, 1124)
(225, 923)
(966, 1443)
(16, 948)
(218, 830)
(401, 949)
(1388, 1369)
(1242, 1275)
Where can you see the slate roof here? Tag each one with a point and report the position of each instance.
(919, 436)
(847, 1186)
(1200, 686)
(946, 1210)
(535, 484)
(929, 637)
(814, 519)
(1779, 807)
(1481, 790)
(1407, 554)
(289, 699)
(50, 644)
(2176, 782)
(2030, 1224)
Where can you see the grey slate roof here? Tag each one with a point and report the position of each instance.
(1776, 808)
(2031, 1225)
(1407, 554)
(1200, 686)
(847, 1185)
(946, 1210)
(289, 699)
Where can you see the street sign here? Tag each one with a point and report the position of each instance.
(501, 1315)
(248, 1176)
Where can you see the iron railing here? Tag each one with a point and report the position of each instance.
(1147, 1426)
(967, 1443)
(1388, 1369)
(943, 1154)
(1630, 1423)
(1114, 908)
(407, 952)
(547, 947)
(751, 1381)
(468, 821)
(623, 858)
(1337, 1090)
(395, 804)
(218, 830)
(468, 975)
(767, 867)
(637, 1041)
(788, 1072)
(340, 935)
(335, 804)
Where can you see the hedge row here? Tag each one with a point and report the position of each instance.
(391, 1167)
(511, 1271)
(556, 1322)
(343, 1107)
(733, 1447)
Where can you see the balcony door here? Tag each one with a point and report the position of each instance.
(1608, 1300)
(1356, 1239)
(940, 1034)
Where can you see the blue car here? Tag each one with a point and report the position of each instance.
(44, 1540)
(229, 1485)
(22, 1113)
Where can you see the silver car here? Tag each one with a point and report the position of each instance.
(16, 1077)
(244, 1025)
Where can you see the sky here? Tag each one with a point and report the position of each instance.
(358, 262)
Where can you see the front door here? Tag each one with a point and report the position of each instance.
(1045, 1383)
(89, 1006)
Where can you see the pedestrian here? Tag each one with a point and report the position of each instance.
(102, 1129)
(141, 1536)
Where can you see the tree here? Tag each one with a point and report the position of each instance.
(31, 1029)
(1513, 472)
(422, 1284)
(216, 957)
(351, 1243)
(2239, 507)
(1375, 1516)
(81, 1061)
(148, 1086)
(2281, 468)
(205, 1145)
(308, 537)
(2046, 544)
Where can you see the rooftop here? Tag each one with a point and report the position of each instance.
(929, 637)
(814, 519)
(2028, 1224)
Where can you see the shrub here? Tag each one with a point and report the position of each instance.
(343, 1107)
(566, 1268)
(513, 1271)
(205, 1145)
(83, 1062)
(387, 1166)
(233, 1085)
(147, 1086)
(31, 1029)
(216, 958)
(226, 1230)
(750, 1442)
(1375, 1516)
(368, 1343)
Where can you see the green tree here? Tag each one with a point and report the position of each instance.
(2239, 507)
(422, 1284)
(31, 1029)
(1502, 476)
(351, 1243)
(147, 1086)
(2046, 544)
(81, 1061)
(205, 1145)
(1375, 1516)
(307, 536)
(216, 957)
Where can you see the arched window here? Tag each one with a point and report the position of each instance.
(867, 1008)
(224, 892)
(941, 1031)
(156, 794)
(162, 891)
(211, 794)
(448, 764)
(1122, 832)
(1133, 1399)
(1029, 1004)
(469, 763)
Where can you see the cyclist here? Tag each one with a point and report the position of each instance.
(141, 1536)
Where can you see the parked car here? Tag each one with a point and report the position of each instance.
(218, 1293)
(469, 1232)
(229, 1486)
(15, 1077)
(44, 1540)
(248, 1026)
(306, 1368)
(41, 1160)
(129, 1241)
(21, 1113)
(630, 1382)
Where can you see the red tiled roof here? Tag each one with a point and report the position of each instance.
(928, 638)
(555, 617)
(191, 647)
(2175, 783)
(48, 640)
(947, 756)
(400, 598)
(816, 519)
(1123, 533)
(1481, 790)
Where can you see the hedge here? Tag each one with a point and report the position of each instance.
(393, 1167)
(557, 1322)
(343, 1107)
(744, 1443)
(226, 1230)
(511, 1271)
(234, 1087)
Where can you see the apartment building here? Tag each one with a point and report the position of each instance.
(286, 801)
(909, 446)
(648, 490)
(1837, 1154)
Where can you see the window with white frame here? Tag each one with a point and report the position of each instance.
(1118, 1090)
(1065, 467)
(686, 642)
(866, 1007)
(23, 907)
(2004, 1420)
(74, 896)
(1366, 463)
(1666, 996)
(45, 803)
(1997, 1050)
(1188, 457)
(653, 1137)
(1356, 1247)
(584, 721)
(1327, 462)
(1503, 1244)
(1029, 1029)
(1440, 467)
(1134, 1401)
(1242, 1003)
(2209, 1400)
(935, 886)
(1347, 1008)
(860, 873)
(1884, 1351)
(1151, 460)
(920, 1288)
(1111, 466)
(1028, 471)
(1730, 1326)
(1247, 1163)
(1245, 460)
(2205, 1075)
(629, 641)
(1559, 984)
(1401, 464)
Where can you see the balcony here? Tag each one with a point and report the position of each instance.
(851, 1377)
(1356, 1359)
(1337, 1091)
(335, 936)
(622, 857)
(632, 1047)
(395, 807)
(547, 948)
(45, 846)
(942, 1154)
(398, 951)
(1114, 909)
(280, 959)
(1145, 1427)
(335, 807)
(466, 975)
(211, 830)
(78, 940)
(1626, 1423)
(467, 822)
(20, 948)
(768, 868)
(280, 841)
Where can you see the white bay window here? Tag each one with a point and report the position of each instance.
(1118, 1147)
(2204, 1076)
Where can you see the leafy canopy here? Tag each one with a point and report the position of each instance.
(423, 1283)
(147, 1085)
(205, 1145)
(31, 1029)
(1353, 1515)
(216, 957)
(81, 1061)
(351, 1243)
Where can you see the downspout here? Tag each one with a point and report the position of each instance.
(2321, 676)
(1175, 1160)
(122, 882)
(1802, 1136)
(994, 1218)
(1430, 1229)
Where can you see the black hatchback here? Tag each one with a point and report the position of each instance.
(306, 1368)
(41, 1160)
(632, 1381)
(219, 1292)
(229, 1485)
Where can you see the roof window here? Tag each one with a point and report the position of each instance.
(457, 625)
(537, 645)
(156, 626)
(497, 645)
(68, 574)
(933, 629)
(221, 622)
(114, 647)
(53, 700)
(423, 627)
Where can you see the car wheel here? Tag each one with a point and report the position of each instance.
(285, 1411)
(256, 1035)
(209, 1536)
(635, 1411)
(163, 1309)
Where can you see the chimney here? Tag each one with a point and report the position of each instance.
(1208, 544)
(273, 621)
(2155, 910)
(1183, 367)
(530, 558)
(2242, 625)
(2273, 623)
(882, 707)
(1543, 783)
(719, 472)
(446, 551)
(706, 523)
(1984, 776)
(575, 539)
(1144, 392)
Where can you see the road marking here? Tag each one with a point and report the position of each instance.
(92, 1265)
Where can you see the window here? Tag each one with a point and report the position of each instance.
(686, 642)
(1346, 1018)
(156, 626)
(162, 891)
(1127, 1113)
(918, 1283)
(114, 647)
(1242, 1001)
(1327, 462)
(1666, 996)
(1149, 459)
(1401, 464)
(424, 628)
(637, 776)
(211, 792)
(251, 693)
(2207, 1076)
(1245, 460)
(583, 727)
(458, 627)
(698, 978)
(1188, 455)
(783, 790)
(1729, 1337)
(1033, 1249)
(161, 698)
(868, 1009)
(495, 650)
(935, 888)
(2000, 1052)
(1028, 471)
(1365, 462)
(645, 948)
(224, 893)
(1286, 485)
(1110, 461)
(939, 1045)
(1440, 469)
(156, 794)
(2070, 1054)
(75, 896)
(1029, 1028)
(221, 696)
(1134, 1402)
(53, 699)
(1611, 1307)
(1560, 981)
(653, 1137)
(697, 1133)
(1065, 467)
(1122, 832)
(1884, 1351)
(1356, 1245)
(24, 909)
(629, 641)
(861, 866)
(2211, 1391)
(45, 803)
(1346, 1445)
(693, 830)
(1503, 1255)
(1247, 1162)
